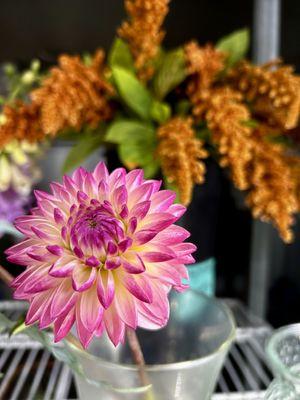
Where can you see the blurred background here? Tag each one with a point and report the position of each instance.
(220, 223)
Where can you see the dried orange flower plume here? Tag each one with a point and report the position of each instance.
(73, 94)
(20, 121)
(203, 65)
(143, 32)
(272, 197)
(225, 116)
(181, 155)
(273, 89)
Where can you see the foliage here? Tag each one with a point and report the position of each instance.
(87, 143)
(235, 45)
(136, 144)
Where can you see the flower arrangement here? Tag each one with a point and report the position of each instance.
(167, 110)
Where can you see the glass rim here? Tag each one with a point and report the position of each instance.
(276, 363)
(175, 365)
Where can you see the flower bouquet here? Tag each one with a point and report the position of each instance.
(167, 110)
(101, 251)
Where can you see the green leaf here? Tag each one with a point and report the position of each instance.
(84, 147)
(160, 112)
(236, 45)
(125, 130)
(132, 92)
(171, 73)
(120, 55)
(137, 144)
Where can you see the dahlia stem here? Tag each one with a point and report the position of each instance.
(5, 276)
(138, 358)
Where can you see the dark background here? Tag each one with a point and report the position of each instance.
(220, 224)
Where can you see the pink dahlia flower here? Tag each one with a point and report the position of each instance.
(101, 251)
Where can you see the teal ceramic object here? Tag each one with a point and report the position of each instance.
(203, 276)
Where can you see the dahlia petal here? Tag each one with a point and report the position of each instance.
(132, 225)
(105, 288)
(91, 311)
(22, 246)
(70, 185)
(100, 330)
(157, 312)
(157, 221)
(78, 177)
(185, 259)
(162, 200)
(126, 307)
(100, 172)
(134, 179)
(157, 253)
(24, 224)
(60, 192)
(156, 256)
(125, 244)
(182, 249)
(84, 335)
(82, 197)
(63, 325)
(38, 257)
(92, 261)
(64, 299)
(63, 267)
(140, 210)
(40, 284)
(20, 279)
(117, 178)
(36, 307)
(144, 236)
(103, 191)
(45, 318)
(112, 248)
(141, 193)
(55, 250)
(133, 263)
(90, 185)
(83, 278)
(168, 274)
(139, 287)
(114, 325)
(112, 263)
(172, 235)
(40, 234)
(78, 252)
(124, 211)
(177, 210)
(119, 197)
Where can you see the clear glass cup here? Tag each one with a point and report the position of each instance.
(283, 352)
(183, 359)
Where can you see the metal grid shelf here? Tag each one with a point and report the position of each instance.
(29, 372)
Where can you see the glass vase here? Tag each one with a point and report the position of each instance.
(183, 359)
(283, 352)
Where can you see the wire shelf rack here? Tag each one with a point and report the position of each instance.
(29, 372)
